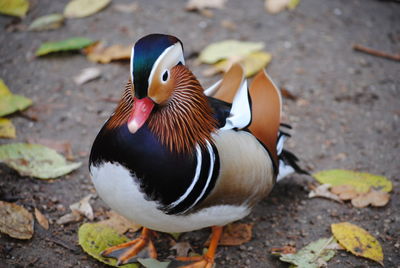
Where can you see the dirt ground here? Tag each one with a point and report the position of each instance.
(347, 116)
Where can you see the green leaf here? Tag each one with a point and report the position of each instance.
(293, 4)
(84, 8)
(7, 129)
(358, 241)
(312, 255)
(10, 103)
(153, 263)
(16, 8)
(175, 235)
(47, 22)
(35, 160)
(361, 181)
(228, 49)
(95, 238)
(74, 43)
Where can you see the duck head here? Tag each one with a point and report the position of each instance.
(165, 95)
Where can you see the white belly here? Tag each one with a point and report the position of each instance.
(119, 190)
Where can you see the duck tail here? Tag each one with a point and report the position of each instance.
(287, 160)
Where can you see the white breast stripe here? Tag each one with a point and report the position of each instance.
(213, 89)
(195, 179)
(210, 172)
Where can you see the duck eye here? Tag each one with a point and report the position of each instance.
(165, 76)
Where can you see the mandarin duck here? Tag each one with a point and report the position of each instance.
(175, 158)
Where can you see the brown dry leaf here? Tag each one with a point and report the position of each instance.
(63, 146)
(283, 250)
(42, 220)
(74, 216)
(101, 54)
(78, 209)
(120, 223)
(194, 5)
(84, 207)
(323, 191)
(235, 234)
(374, 198)
(182, 249)
(345, 192)
(15, 221)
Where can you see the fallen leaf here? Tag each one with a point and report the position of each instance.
(182, 249)
(228, 49)
(314, 255)
(276, 6)
(7, 129)
(345, 192)
(175, 235)
(101, 54)
(86, 75)
(374, 198)
(10, 103)
(323, 191)
(17, 8)
(74, 216)
(42, 220)
(63, 147)
(78, 210)
(47, 22)
(360, 180)
(83, 207)
(235, 234)
(70, 44)
(15, 221)
(127, 8)
(84, 8)
(293, 4)
(153, 263)
(283, 250)
(120, 223)
(252, 63)
(358, 241)
(95, 238)
(35, 160)
(193, 5)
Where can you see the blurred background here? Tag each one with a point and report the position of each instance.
(343, 104)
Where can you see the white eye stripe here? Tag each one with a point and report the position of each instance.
(169, 58)
(132, 55)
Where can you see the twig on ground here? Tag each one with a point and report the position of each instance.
(376, 53)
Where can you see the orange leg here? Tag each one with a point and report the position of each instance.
(206, 261)
(127, 251)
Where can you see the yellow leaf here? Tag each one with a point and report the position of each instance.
(4, 91)
(293, 4)
(228, 49)
(7, 129)
(95, 238)
(84, 8)
(16, 8)
(358, 241)
(10, 103)
(361, 181)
